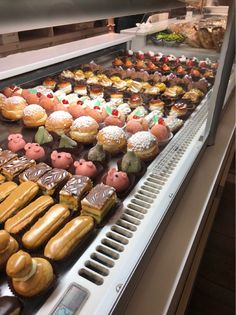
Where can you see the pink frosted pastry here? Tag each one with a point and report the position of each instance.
(48, 102)
(61, 159)
(117, 118)
(77, 109)
(85, 168)
(8, 91)
(161, 131)
(136, 124)
(96, 112)
(117, 180)
(31, 98)
(16, 142)
(63, 105)
(34, 151)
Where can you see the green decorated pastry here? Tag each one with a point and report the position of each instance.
(42, 136)
(67, 142)
(97, 154)
(131, 163)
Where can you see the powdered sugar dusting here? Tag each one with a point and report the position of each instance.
(60, 115)
(113, 133)
(33, 109)
(141, 140)
(16, 100)
(84, 121)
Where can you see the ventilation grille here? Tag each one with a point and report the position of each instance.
(114, 243)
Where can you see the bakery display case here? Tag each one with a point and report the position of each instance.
(99, 276)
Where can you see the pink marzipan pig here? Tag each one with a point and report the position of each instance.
(85, 168)
(34, 151)
(118, 180)
(61, 159)
(16, 142)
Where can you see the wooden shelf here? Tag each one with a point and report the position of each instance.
(50, 36)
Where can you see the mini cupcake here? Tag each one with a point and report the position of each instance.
(96, 91)
(135, 100)
(49, 83)
(156, 104)
(81, 89)
(65, 86)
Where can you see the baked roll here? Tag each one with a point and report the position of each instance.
(68, 238)
(98, 202)
(45, 227)
(14, 107)
(8, 246)
(20, 196)
(74, 190)
(29, 276)
(25, 216)
(34, 116)
(6, 189)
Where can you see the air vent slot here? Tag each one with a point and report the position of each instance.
(91, 276)
(102, 260)
(144, 198)
(117, 238)
(97, 268)
(113, 245)
(134, 214)
(126, 225)
(107, 252)
(136, 208)
(148, 188)
(144, 192)
(140, 203)
(152, 185)
(121, 231)
(130, 219)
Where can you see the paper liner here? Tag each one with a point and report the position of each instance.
(123, 194)
(40, 298)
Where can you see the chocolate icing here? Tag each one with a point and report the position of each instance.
(6, 156)
(34, 173)
(75, 186)
(16, 166)
(98, 196)
(53, 178)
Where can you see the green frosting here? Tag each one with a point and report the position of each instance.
(131, 163)
(42, 136)
(66, 142)
(97, 153)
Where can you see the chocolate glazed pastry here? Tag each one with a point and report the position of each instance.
(10, 305)
(15, 167)
(6, 156)
(34, 173)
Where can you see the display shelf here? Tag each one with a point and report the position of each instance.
(20, 63)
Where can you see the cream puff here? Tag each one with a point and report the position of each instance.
(96, 91)
(178, 110)
(2, 100)
(34, 116)
(84, 129)
(144, 145)
(113, 139)
(14, 107)
(81, 89)
(67, 74)
(59, 122)
(156, 104)
(79, 75)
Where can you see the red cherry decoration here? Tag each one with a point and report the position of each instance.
(79, 102)
(96, 107)
(65, 102)
(50, 95)
(115, 112)
(12, 87)
(161, 121)
(39, 94)
(136, 117)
